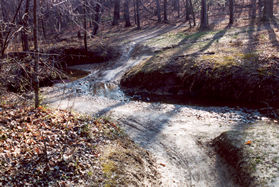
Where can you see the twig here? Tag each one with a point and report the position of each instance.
(45, 156)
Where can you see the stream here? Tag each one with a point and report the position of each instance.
(177, 135)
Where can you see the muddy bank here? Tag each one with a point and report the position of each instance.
(245, 79)
(16, 74)
(253, 153)
(68, 56)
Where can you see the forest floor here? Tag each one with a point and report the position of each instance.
(46, 147)
(179, 136)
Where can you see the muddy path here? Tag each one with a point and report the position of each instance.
(177, 135)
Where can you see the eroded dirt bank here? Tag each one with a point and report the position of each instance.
(182, 77)
(178, 135)
(224, 65)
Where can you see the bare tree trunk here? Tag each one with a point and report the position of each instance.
(1, 40)
(192, 11)
(127, 13)
(271, 8)
(231, 4)
(2, 26)
(24, 36)
(36, 65)
(174, 4)
(158, 5)
(261, 4)
(85, 25)
(43, 28)
(187, 9)
(178, 8)
(116, 13)
(253, 9)
(135, 11)
(268, 10)
(96, 19)
(165, 11)
(138, 14)
(204, 16)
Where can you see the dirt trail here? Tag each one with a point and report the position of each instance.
(177, 135)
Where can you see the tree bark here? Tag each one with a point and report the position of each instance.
(187, 9)
(204, 16)
(138, 14)
(85, 25)
(178, 8)
(24, 36)
(116, 13)
(36, 65)
(135, 11)
(261, 4)
(96, 19)
(192, 11)
(174, 4)
(43, 28)
(165, 11)
(127, 13)
(253, 9)
(158, 10)
(268, 10)
(231, 4)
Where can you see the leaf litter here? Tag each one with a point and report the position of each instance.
(45, 147)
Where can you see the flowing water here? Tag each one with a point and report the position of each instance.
(177, 135)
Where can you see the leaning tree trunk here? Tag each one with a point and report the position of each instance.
(158, 10)
(127, 13)
(231, 4)
(36, 65)
(204, 16)
(138, 14)
(116, 13)
(165, 11)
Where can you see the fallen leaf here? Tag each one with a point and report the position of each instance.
(248, 142)
(164, 165)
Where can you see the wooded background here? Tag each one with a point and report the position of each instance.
(85, 18)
